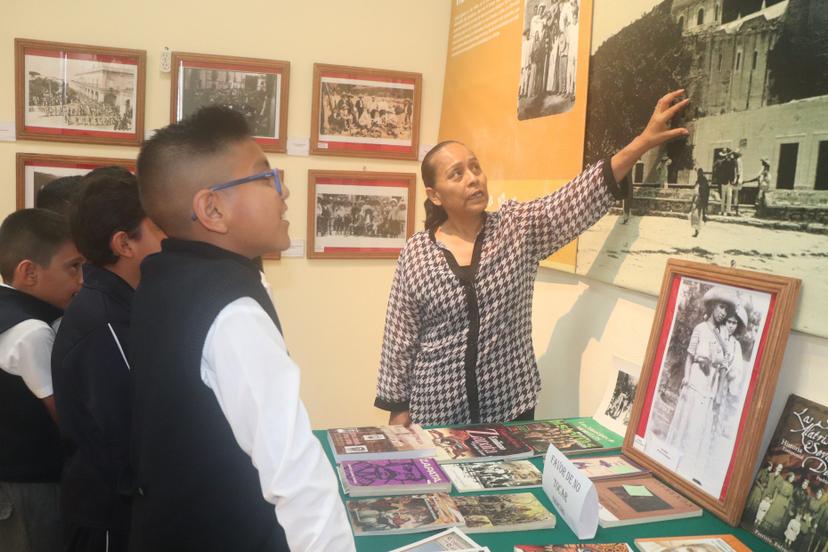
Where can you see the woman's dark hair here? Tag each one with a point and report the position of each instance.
(435, 215)
(109, 204)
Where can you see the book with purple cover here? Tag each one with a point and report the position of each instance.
(393, 477)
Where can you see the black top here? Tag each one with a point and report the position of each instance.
(30, 448)
(196, 489)
(91, 383)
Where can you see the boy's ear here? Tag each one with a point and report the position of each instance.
(210, 211)
(25, 274)
(120, 245)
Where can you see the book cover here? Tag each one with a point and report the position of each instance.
(490, 476)
(711, 543)
(606, 467)
(377, 477)
(451, 539)
(503, 512)
(573, 548)
(569, 435)
(478, 442)
(402, 514)
(786, 506)
(379, 442)
(641, 499)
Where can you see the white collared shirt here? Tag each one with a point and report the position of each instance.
(26, 351)
(245, 363)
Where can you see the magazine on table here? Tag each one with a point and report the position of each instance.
(476, 443)
(640, 499)
(491, 513)
(451, 539)
(569, 435)
(391, 477)
(492, 476)
(380, 443)
(573, 548)
(707, 543)
(607, 467)
(402, 514)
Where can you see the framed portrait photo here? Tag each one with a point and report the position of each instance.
(36, 170)
(353, 214)
(78, 93)
(359, 112)
(257, 88)
(708, 379)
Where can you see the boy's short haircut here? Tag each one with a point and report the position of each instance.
(33, 234)
(167, 159)
(109, 204)
(60, 195)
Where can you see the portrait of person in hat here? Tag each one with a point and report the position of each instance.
(705, 363)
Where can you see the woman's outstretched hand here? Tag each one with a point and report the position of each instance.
(657, 132)
(658, 129)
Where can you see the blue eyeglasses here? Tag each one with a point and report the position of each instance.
(272, 173)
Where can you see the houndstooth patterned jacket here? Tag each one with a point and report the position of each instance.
(458, 344)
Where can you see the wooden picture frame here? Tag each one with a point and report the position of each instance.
(34, 170)
(258, 88)
(359, 215)
(79, 93)
(708, 380)
(361, 112)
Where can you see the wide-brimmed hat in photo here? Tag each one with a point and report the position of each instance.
(720, 295)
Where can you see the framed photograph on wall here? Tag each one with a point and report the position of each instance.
(257, 88)
(708, 379)
(359, 215)
(35, 170)
(359, 112)
(78, 93)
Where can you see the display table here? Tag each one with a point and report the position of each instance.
(561, 534)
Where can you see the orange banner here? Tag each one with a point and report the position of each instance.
(515, 93)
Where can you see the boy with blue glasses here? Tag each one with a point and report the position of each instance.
(219, 433)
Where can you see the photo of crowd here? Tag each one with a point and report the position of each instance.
(254, 95)
(548, 58)
(364, 216)
(79, 94)
(366, 112)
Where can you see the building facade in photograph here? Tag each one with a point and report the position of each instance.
(106, 86)
(736, 102)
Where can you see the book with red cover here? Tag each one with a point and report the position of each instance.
(477, 443)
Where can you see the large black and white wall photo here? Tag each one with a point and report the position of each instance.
(749, 186)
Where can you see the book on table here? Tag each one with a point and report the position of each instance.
(640, 499)
(491, 513)
(451, 539)
(786, 506)
(492, 476)
(380, 443)
(392, 477)
(713, 543)
(569, 435)
(477, 443)
(607, 467)
(402, 514)
(621, 547)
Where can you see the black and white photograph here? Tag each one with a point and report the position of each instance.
(548, 58)
(614, 410)
(749, 186)
(34, 171)
(359, 213)
(256, 88)
(365, 112)
(703, 380)
(69, 94)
